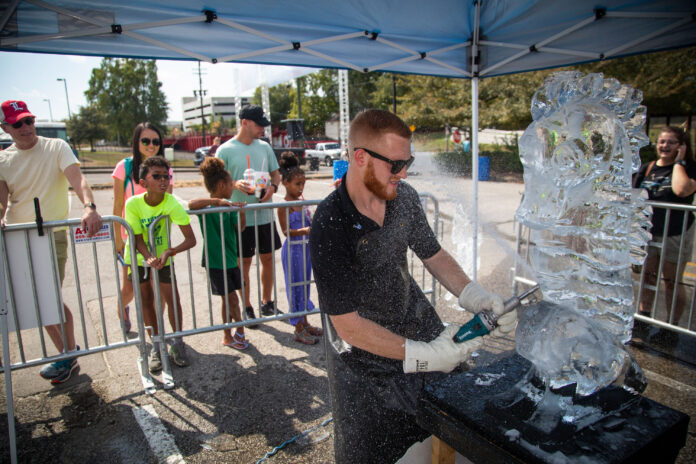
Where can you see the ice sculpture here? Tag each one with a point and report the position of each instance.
(587, 226)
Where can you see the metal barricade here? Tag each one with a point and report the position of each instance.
(32, 298)
(679, 292)
(208, 322)
(95, 332)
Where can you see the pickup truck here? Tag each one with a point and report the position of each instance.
(328, 152)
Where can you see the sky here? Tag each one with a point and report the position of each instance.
(31, 77)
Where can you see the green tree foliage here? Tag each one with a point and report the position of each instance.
(280, 97)
(431, 102)
(87, 125)
(127, 92)
(319, 100)
(667, 79)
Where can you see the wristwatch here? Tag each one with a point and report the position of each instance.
(682, 162)
(91, 205)
(275, 187)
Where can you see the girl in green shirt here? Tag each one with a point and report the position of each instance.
(221, 249)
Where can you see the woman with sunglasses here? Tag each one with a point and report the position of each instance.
(147, 142)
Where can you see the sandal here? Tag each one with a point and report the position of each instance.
(314, 331)
(238, 342)
(305, 337)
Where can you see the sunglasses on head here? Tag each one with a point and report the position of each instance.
(161, 176)
(396, 165)
(146, 141)
(27, 121)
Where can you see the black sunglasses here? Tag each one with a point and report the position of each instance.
(396, 165)
(27, 121)
(160, 176)
(145, 141)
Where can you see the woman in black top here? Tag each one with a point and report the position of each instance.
(670, 179)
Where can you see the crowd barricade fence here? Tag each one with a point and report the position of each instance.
(32, 296)
(665, 302)
(95, 261)
(207, 320)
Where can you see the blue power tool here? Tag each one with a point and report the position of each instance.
(485, 321)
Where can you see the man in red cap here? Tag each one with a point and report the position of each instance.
(43, 167)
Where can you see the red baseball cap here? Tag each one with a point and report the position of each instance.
(13, 111)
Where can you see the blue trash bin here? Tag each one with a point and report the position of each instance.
(484, 168)
(340, 167)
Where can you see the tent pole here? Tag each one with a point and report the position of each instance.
(475, 62)
(474, 169)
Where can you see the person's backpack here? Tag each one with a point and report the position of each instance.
(128, 164)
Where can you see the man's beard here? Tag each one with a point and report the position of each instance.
(373, 185)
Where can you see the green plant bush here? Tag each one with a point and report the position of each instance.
(458, 162)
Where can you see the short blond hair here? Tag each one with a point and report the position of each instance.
(371, 124)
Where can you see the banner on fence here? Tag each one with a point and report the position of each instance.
(18, 260)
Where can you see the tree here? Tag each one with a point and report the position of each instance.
(667, 79)
(319, 100)
(280, 98)
(127, 92)
(87, 125)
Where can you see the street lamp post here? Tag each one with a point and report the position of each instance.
(50, 111)
(65, 83)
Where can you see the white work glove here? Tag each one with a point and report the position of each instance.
(506, 324)
(442, 354)
(475, 299)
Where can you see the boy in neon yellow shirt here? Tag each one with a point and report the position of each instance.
(141, 211)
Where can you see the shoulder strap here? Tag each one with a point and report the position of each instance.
(650, 166)
(128, 164)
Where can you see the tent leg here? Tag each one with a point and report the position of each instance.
(474, 169)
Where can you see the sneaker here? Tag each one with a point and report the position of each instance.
(154, 361)
(250, 315)
(59, 371)
(177, 353)
(268, 310)
(59, 368)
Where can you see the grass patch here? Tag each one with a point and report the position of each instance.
(111, 158)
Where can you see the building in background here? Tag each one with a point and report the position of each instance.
(221, 107)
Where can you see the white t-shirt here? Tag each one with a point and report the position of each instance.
(37, 172)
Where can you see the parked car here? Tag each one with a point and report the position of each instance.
(199, 155)
(326, 152)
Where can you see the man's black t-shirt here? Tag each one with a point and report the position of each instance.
(360, 266)
(658, 183)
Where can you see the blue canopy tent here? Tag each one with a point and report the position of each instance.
(451, 38)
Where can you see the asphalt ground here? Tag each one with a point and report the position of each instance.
(235, 407)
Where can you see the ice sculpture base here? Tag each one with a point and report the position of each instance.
(484, 416)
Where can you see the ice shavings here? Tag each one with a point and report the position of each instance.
(487, 379)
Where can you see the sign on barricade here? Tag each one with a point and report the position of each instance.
(80, 235)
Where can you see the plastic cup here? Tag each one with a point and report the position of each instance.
(260, 182)
(340, 167)
(250, 178)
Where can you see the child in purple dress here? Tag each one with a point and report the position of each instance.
(295, 223)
